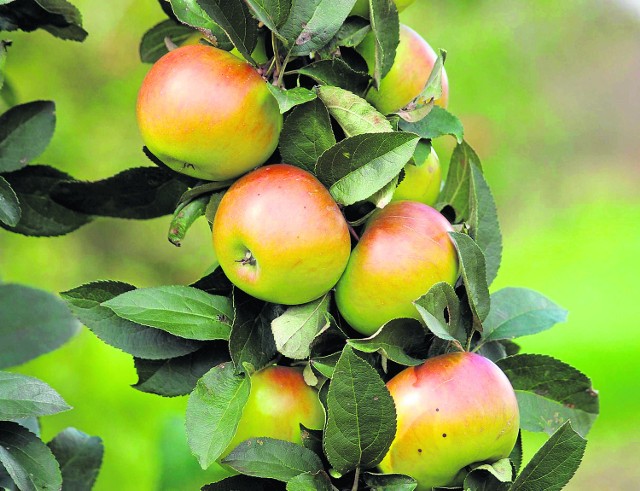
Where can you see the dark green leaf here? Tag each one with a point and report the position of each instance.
(215, 283)
(473, 271)
(214, 411)
(399, 340)
(25, 131)
(23, 397)
(10, 211)
(32, 322)
(288, 99)
(234, 18)
(242, 483)
(490, 477)
(306, 134)
(140, 341)
(273, 13)
(251, 339)
(325, 364)
(361, 420)
(359, 166)
(318, 481)
(553, 466)
(390, 482)
(352, 32)
(180, 310)
(58, 17)
(516, 454)
(294, 330)
(386, 31)
(354, 115)
(212, 206)
(137, 193)
(432, 305)
(519, 312)
(458, 184)
(192, 14)
(437, 123)
(80, 458)
(41, 216)
(27, 459)
(337, 73)
(178, 376)
(272, 459)
(550, 392)
(153, 46)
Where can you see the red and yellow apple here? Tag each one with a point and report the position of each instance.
(409, 74)
(422, 178)
(404, 250)
(280, 236)
(454, 410)
(361, 7)
(208, 114)
(279, 402)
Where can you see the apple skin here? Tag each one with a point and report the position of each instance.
(409, 74)
(361, 8)
(454, 410)
(279, 402)
(207, 114)
(280, 236)
(422, 180)
(404, 250)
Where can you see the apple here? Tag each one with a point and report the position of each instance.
(207, 114)
(404, 250)
(454, 410)
(280, 236)
(422, 179)
(361, 7)
(279, 402)
(409, 74)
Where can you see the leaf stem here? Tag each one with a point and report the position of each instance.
(356, 479)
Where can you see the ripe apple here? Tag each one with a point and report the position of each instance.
(421, 180)
(454, 410)
(207, 114)
(280, 236)
(361, 7)
(279, 402)
(404, 250)
(408, 75)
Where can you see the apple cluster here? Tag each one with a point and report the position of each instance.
(280, 236)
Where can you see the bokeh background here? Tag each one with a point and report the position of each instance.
(549, 93)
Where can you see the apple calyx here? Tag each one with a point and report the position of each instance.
(247, 259)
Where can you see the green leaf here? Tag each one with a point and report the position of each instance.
(432, 305)
(27, 459)
(25, 131)
(519, 312)
(352, 32)
(325, 365)
(354, 115)
(361, 416)
(357, 167)
(288, 99)
(41, 216)
(32, 322)
(553, 466)
(153, 46)
(306, 134)
(180, 310)
(294, 330)
(80, 458)
(251, 339)
(272, 459)
(58, 17)
(311, 24)
(3, 57)
(550, 392)
(437, 123)
(214, 411)
(385, 25)
(516, 454)
(457, 186)
(240, 483)
(483, 222)
(23, 397)
(473, 271)
(10, 211)
(398, 340)
(190, 13)
(137, 193)
(184, 216)
(215, 282)
(318, 481)
(390, 482)
(236, 21)
(335, 72)
(273, 13)
(422, 105)
(178, 376)
(140, 341)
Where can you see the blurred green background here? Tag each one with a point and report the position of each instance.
(549, 93)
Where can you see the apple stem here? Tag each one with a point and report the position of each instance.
(170, 45)
(353, 232)
(356, 479)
